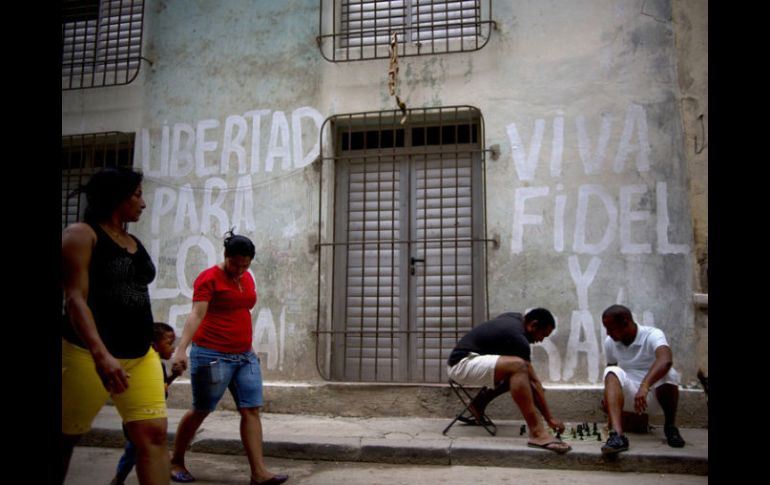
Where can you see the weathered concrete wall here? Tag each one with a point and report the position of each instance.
(589, 197)
(113, 108)
(230, 128)
(691, 34)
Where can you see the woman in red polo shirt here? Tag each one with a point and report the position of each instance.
(219, 328)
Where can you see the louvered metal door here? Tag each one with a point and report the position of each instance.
(408, 279)
(441, 260)
(371, 271)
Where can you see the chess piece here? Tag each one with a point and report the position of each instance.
(596, 431)
(574, 435)
(522, 430)
(558, 435)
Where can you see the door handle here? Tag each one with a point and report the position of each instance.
(413, 260)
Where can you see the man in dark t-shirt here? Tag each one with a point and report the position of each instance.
(497, 355)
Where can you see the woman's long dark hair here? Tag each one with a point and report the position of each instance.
(107, 189)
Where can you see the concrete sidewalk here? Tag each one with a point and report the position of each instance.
(419, 440)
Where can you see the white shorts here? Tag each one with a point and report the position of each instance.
(474, 370)
(630, 382)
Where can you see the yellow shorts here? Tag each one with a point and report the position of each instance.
(83, 395)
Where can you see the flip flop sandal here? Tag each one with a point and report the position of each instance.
(548, 446)
(182, 476)
(276, 480)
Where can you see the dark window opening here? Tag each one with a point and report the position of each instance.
(373, 139)
(79, 10)
(445, 135)
(84, 155)
(421, 136)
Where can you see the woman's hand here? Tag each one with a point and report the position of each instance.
(179, 362)
(114, 377)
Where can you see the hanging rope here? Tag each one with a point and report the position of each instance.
(393, 75)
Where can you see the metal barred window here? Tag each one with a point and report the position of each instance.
(351, 30)
(409, 246)
(81, 157)
(101, 42)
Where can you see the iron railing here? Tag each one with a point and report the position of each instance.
(356, 30)
(101, 42)
(397, 288)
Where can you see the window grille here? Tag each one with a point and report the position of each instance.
(362, 29)
(84, 155)
(408, 249)
(101, 42)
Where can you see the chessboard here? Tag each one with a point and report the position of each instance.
(578, 432)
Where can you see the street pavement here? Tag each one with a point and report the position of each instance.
(419, 441)
(93, 465)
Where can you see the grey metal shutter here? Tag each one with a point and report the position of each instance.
(370, 22)
(119, 43)
(443, 288)
(374, 314)
(105, 50)
(79, 47)
(437, 19)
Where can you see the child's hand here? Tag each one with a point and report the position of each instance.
(177, 369)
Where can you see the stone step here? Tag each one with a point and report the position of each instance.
(571, 403)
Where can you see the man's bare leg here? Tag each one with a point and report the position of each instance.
(668, 397)
(479, 404)
(613, 402)
(516, 371)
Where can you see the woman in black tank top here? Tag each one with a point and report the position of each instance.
(105, 277)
